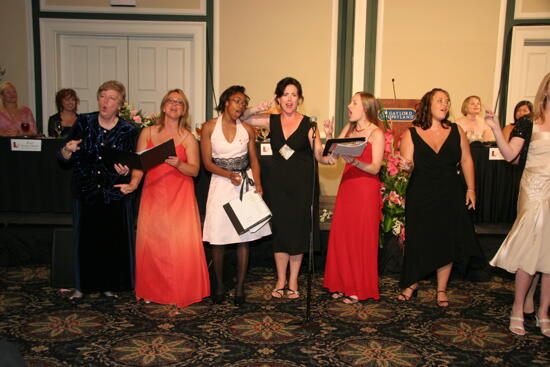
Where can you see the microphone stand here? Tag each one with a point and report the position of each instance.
(309, 325)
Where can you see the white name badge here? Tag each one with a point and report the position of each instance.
(494, 154)
(26, 145)
(265, 149)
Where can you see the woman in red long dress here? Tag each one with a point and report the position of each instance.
(170, 262)
(352, 261)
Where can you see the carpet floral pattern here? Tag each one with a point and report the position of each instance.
(52, 332)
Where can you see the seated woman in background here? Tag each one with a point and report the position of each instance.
(62, 122)
(14, 120)
(523, 108)
(352, 261)
(471, 121)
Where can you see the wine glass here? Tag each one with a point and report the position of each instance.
(58, 129)
(25, 127)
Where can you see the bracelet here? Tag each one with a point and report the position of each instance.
(471, 190)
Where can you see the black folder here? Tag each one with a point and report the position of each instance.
(144, 160)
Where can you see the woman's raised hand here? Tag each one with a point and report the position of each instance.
(491, 119)
(328, 125)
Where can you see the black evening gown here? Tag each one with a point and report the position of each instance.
(293, 183)
(438, 226)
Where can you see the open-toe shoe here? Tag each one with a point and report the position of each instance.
(517, 329)
(404, 298)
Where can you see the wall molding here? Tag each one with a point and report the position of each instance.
(520, 14)
(122, 9)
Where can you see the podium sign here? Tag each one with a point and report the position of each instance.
(400, 112)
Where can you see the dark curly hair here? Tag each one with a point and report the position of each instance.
(423, 117)
(228, 93)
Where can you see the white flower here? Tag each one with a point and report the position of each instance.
(397, 228)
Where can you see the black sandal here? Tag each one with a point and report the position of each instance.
(406, 298)
(350, 300)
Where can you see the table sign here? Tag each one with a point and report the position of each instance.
(495, 154)
(26, 145)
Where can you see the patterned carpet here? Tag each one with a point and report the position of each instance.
(50, 331)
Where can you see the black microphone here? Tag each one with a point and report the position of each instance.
(313, 122)
(393, 85)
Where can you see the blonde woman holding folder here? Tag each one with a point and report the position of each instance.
(170, 262)
(351, 270)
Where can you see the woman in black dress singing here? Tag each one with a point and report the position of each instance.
(292, 182)
(439, 233)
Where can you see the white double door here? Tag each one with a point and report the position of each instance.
(147, 66)
(529, 63)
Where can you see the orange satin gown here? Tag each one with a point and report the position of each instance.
(170, 261)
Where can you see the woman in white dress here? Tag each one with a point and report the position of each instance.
(228, 151)
(525, 250)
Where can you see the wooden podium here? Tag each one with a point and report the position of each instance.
(400, 113)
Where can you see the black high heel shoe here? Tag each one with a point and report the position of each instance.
(239, 300)
(218, 298)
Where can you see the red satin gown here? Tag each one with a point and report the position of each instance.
(352, 258)
(170, 262)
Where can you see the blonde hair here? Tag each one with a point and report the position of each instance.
(4, 86)
(113, 85)
(184, 120)
(464, 108)
(541, 99)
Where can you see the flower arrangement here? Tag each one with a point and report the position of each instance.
(136, 117)
(393, 186)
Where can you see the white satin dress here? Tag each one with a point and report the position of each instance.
(527, 245)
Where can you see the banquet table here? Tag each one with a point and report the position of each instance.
(497, 185)
(34, 182)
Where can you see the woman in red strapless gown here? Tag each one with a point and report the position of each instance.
(352, 261)
(170, 262)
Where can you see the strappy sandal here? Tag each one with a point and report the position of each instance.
(292, 292)
(337, 295)
(278, 293)
(350, 300)
(404, 298)
(442, 303)
(514, 329)
(544, 331)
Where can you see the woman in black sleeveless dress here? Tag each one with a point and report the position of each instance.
(293, 181)
(439, 232)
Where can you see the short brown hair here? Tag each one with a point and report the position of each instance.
(65, 93)
(113, 85)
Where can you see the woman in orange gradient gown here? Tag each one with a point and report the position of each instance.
(170, 262)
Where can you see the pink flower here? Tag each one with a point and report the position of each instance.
(133, 112)
(394, 197)
(137, 119)
(402, 236)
